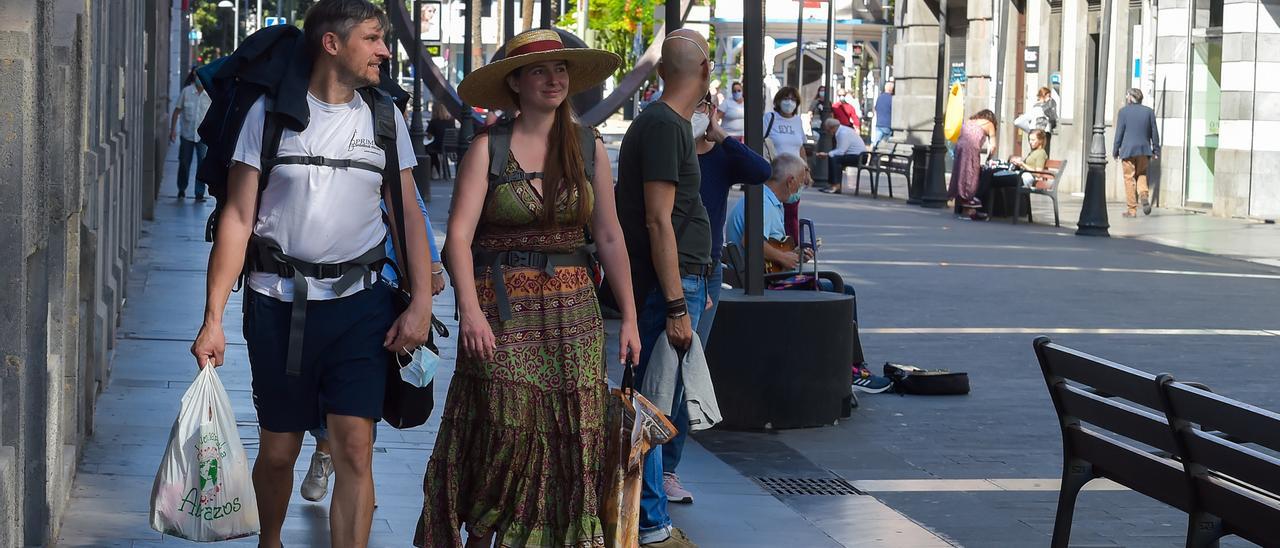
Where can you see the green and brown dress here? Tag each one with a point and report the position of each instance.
(521, 442)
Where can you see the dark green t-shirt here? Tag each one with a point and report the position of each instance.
(659, 147)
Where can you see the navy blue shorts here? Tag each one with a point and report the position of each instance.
(344, 366)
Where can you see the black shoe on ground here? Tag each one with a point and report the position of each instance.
(182, 195)
(200, 198)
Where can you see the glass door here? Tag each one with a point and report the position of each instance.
(1204, 102)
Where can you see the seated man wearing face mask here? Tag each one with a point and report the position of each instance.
(790, 174)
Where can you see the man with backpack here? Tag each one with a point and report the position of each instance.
(317, 321)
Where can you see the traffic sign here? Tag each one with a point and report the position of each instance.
(273, 21)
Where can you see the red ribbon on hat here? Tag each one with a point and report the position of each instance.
(536, 46)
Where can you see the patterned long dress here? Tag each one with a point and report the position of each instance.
(968, 162)
(521, 440)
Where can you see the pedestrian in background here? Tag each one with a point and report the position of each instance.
(847, 112)
(1137, 142)
(884, 115)
(976, 135)
(846, 152)
(819, 111)
(784, 128)
(732, 112)
(193, 103)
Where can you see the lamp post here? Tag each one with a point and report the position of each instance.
(800, 47)
(935, 192)
(753, 71)
(1093, 212)
(235, 8)
(422, 172)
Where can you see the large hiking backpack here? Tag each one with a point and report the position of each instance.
(273, 62)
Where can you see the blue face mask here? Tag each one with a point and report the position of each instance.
(795, 197)
(737, 96)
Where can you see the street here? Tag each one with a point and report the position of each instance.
(933, 291)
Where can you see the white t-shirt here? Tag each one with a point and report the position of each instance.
(194, 104)
(788, 134)
(321, 214)
(735, 115)
(848, 142)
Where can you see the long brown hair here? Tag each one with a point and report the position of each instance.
(564, 169)
(563, 163)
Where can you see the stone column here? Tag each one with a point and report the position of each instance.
(1264, 198)
(915, 70)
(1172, 56)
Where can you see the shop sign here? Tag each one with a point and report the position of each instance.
(1031, 59)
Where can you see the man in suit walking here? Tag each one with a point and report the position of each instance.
(1137, 142)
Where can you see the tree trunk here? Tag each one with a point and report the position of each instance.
(526, 13)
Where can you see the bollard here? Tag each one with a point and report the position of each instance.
(919, 166)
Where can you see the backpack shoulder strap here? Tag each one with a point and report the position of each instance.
(272, 131)
(587, 136)
(769, 130)
(383, 109)
(499, 151)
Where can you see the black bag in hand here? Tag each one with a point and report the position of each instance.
(404, 405)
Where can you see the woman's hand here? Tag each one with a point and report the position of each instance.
(629, 343)
(478, 341)
(437, 278)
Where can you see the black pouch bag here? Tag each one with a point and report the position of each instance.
(909, 379)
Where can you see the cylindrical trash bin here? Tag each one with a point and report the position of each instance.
(781, 360)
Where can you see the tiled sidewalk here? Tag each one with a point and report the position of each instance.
(152, 368)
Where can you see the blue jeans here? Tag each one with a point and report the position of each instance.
(714, 283)
(185, 151)
(655, 522)
(882, 133)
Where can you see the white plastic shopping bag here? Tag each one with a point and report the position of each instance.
(203, 489)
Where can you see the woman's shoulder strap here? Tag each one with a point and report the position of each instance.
(587, 137)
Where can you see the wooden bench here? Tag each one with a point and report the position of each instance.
(1175, 442)
(886, 158)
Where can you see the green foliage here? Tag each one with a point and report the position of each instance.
(616, 22)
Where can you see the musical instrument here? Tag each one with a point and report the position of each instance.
(785, 244)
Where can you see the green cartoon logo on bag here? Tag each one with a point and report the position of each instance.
(210, 450)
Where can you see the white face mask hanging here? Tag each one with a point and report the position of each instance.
(421, 368)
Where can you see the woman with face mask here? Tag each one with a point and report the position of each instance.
(724, 162)
(784, 128)
(732, 112)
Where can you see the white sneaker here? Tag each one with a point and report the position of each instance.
(316, 484)
(675, 492)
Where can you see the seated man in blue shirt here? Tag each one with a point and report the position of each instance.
(790, 174)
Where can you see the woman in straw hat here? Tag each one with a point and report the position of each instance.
(518, 458)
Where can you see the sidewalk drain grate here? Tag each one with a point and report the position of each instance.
(807, 486)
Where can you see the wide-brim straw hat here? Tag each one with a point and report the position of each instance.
(487, 86)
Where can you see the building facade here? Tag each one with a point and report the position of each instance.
(79, 169)
(1218, 73)
(1209, 68)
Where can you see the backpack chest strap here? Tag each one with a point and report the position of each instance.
(338, 163)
